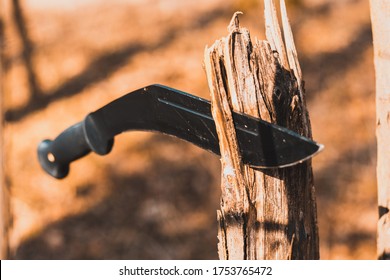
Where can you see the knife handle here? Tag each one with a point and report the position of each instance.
(73, 143)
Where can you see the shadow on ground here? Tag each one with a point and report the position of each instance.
(166, 211)
(101, 67)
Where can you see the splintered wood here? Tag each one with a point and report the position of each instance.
(268, 214)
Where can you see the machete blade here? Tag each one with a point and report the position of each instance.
(170, 111)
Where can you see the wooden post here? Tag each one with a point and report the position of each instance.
(269, 214)
(380, 17)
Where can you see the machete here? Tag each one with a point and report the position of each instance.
(173, 112)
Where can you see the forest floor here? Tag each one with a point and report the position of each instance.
(154, 196)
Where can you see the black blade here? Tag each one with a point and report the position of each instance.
(173, 112)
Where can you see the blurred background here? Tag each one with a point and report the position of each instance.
(154, 196)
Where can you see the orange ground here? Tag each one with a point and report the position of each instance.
(155, 197)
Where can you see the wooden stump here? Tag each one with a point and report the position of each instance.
(267, 214)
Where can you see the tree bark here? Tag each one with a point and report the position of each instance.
(268, 214)
(380, 17)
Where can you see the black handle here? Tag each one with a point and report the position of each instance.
(73, 143)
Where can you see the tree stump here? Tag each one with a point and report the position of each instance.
(270, 213)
